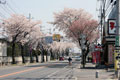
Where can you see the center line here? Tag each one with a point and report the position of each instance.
(20, 72)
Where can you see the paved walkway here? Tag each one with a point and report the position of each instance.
(89, 73)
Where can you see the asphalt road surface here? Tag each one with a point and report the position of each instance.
(57, 70)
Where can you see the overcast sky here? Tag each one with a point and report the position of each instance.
(43, 9)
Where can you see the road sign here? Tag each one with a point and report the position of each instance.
(56, 37)
(117, 41)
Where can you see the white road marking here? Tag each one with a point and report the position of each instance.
(56, 72)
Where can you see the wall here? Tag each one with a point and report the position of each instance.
(8, 60)
(3, 48)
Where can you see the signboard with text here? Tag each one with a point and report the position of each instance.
(96, 57)
(111, 26)
(56, 37)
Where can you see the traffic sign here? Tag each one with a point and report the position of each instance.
(117, 41)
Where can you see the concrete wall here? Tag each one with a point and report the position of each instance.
(8, 60)
(3, 48)
(47, 59)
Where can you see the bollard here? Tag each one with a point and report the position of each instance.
(96, 74)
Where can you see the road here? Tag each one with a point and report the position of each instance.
(57, 70)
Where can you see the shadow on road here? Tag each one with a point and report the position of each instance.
(93, 66)
(88, 68)
(20, 78)
(50, 65)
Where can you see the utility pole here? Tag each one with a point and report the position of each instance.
(118, 24)
(101, 23)
(102, 17)
(29, 17)
(30, 47)
(117, 40)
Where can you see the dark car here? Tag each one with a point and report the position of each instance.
(61, 58)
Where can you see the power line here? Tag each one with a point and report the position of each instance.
(110, 8)
(5, 10)
(14, 4)
(10, 8)
(1, 15)
(108, 3)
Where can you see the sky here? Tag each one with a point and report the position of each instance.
(43, 9)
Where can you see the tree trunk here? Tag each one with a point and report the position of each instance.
(36, 55)
(58, 55)
(46, 56)
(31, 58)
(22, 54)
(83, 58)
(43, 60)
(13, 53)
(52, 55)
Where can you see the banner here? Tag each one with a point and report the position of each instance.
(110, 54)
(96, 57)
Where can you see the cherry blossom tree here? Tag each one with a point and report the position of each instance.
(59, 48)
(77, 22)
(34, 38)
(32, 29)
(17, 27)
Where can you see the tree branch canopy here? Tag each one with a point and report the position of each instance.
(74, 22)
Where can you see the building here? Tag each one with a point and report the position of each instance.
(109, 31)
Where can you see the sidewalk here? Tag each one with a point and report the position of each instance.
(89, 73)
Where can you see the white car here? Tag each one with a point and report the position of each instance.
(78, 58)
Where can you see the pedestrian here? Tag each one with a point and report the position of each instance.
(70, 60)
(88, 58)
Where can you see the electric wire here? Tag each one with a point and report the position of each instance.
(110, 8)
(8, 9)
(109, 11)
(2, 16)
(14, 4)
(9, 6)
(5, 10)
(108, 3)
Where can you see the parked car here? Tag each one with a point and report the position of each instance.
(61, 58)
(66, 57)
(78, 58)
